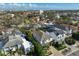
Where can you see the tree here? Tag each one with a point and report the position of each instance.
(37, 46)
(38, 49)
(70, 41)
(58, 45)
(76, 35)
(2, 54)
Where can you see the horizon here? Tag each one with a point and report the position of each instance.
(38, 6)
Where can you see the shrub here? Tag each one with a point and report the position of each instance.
(38, 49)
(70, 41)
(59, 46)
(76, 35)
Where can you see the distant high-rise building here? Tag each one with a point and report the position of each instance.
(58, 16)
(41, 11)
(12, 15)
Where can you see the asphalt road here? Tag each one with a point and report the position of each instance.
(75, 53)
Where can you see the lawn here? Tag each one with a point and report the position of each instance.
(61, 47)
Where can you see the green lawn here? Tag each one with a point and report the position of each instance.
(61, 47)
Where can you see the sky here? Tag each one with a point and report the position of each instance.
(39, 6)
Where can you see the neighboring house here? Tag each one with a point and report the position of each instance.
(54, 32)
(57, 36)
(26, 45)
(46, 37)
(12, 42)
(42, 37)
(67, 30)
(15, 39)
(76, 18)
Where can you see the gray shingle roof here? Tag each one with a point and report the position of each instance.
(12, 43)
(40, 35)
(57, 32)
(52, 35)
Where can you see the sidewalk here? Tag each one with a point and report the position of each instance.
(55, 52)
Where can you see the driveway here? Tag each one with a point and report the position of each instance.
(76, 53)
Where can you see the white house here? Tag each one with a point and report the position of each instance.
(26, 45)
(57, 36)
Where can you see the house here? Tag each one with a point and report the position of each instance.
(57, 36)
(66, 30)
(27, 46)
(15, 39)
(57, 32)
(46, 37)
(42, 37)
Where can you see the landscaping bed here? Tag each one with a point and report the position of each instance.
(70, 41)
(59, 46)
